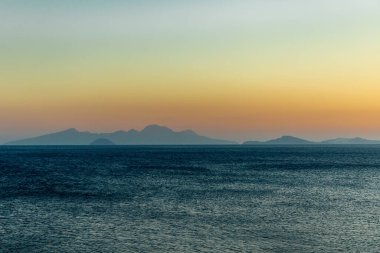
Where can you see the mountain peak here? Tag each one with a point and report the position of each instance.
(189, 131)
(156, 129)
(287, 139)
(70, 130)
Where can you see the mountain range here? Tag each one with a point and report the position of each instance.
(150, 135)
(290, 140)
(160, 135)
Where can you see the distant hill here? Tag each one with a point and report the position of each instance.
(102, 142)
(290, 140)
(150, 135)
(284, 140)
(67, 137)
(160, 135)
(351, 141)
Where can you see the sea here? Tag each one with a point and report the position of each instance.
(190, 199)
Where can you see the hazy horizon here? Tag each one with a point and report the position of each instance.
(222, 137)
(238, 70)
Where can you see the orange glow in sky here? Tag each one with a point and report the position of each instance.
(233, 69)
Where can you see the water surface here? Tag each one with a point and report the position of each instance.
(190, 199)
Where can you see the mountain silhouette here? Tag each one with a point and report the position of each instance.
(351, 141)
(161, 135)
(284, 140)
(150, 135)
(102, 142)
(291, 140)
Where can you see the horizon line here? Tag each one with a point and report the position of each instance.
(256, 141)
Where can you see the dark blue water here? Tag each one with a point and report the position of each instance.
(190, 199)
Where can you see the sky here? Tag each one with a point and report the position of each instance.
(242, 70)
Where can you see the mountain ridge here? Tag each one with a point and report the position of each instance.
(291, 140)
(351, 141)
(161, 135)
(150, 135)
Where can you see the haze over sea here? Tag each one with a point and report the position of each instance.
(190, 199)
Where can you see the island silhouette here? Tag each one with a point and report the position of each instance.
(150, 135)
(291, 140)
(102, 142)
(161, 135)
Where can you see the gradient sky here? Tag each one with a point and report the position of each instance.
(234, 69)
